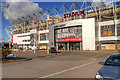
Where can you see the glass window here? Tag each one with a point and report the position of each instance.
(42, 36)
(47, 36)
(28, 40)
(113, 60)
(25, 40)
(108, 30)
(118, 30)
(44, 44)
(62, 46)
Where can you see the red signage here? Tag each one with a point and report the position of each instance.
(12, 39)
(73, 14)
(118, 27)
(68, 39)
(36, 22)
(33, 31)
(42, 34)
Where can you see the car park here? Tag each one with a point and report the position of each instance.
(110, 69)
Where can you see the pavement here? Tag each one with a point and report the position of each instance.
(64, 65)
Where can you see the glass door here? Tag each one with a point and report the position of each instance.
(74, 45)
(62, 46)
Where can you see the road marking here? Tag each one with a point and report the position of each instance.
(93, 59)
(65, 70)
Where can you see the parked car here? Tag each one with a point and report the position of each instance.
(41, 48)
(52, 50)
(9, 56)
(110, 69)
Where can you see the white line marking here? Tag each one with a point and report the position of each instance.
(93, 59)
(66, 70)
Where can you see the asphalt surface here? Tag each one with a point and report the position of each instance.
(63, 65)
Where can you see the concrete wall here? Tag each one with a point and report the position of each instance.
(51, 36)
(18, 40)
(88, 30)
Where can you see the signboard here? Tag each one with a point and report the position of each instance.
(70, 32)
(42, 36)
(73, 14)
(108, 30)
(12, 40)
(68, 39)
(33, 31)
(33, 38)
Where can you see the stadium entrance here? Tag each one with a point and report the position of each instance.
(69, 45)
(69, 38)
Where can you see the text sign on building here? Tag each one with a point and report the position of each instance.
(73, 14)
(12, 39)
(33, 37)
(43, 36)
(70, 32)
(68, 39)
(33, 31)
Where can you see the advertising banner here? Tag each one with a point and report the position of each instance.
(33, 37)
(108, 30)
(42, 36)
(33, 31)
(12, 40)
(69, 32)
(68, 39)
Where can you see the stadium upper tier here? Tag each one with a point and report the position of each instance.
(104, 13)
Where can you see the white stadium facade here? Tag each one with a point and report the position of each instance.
(96, 28)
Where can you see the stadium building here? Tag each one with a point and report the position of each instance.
(96, 28)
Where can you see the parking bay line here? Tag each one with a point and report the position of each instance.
(65, 70)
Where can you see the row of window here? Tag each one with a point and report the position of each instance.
(118, 30)
(23, 44)
(43, 36)
(109, 30)
(24, 36)
(26, 40)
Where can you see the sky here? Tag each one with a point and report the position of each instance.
(14, 12)
(43, 5)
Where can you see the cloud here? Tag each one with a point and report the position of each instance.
(20, 8)
(17, 0)
(102, 4)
